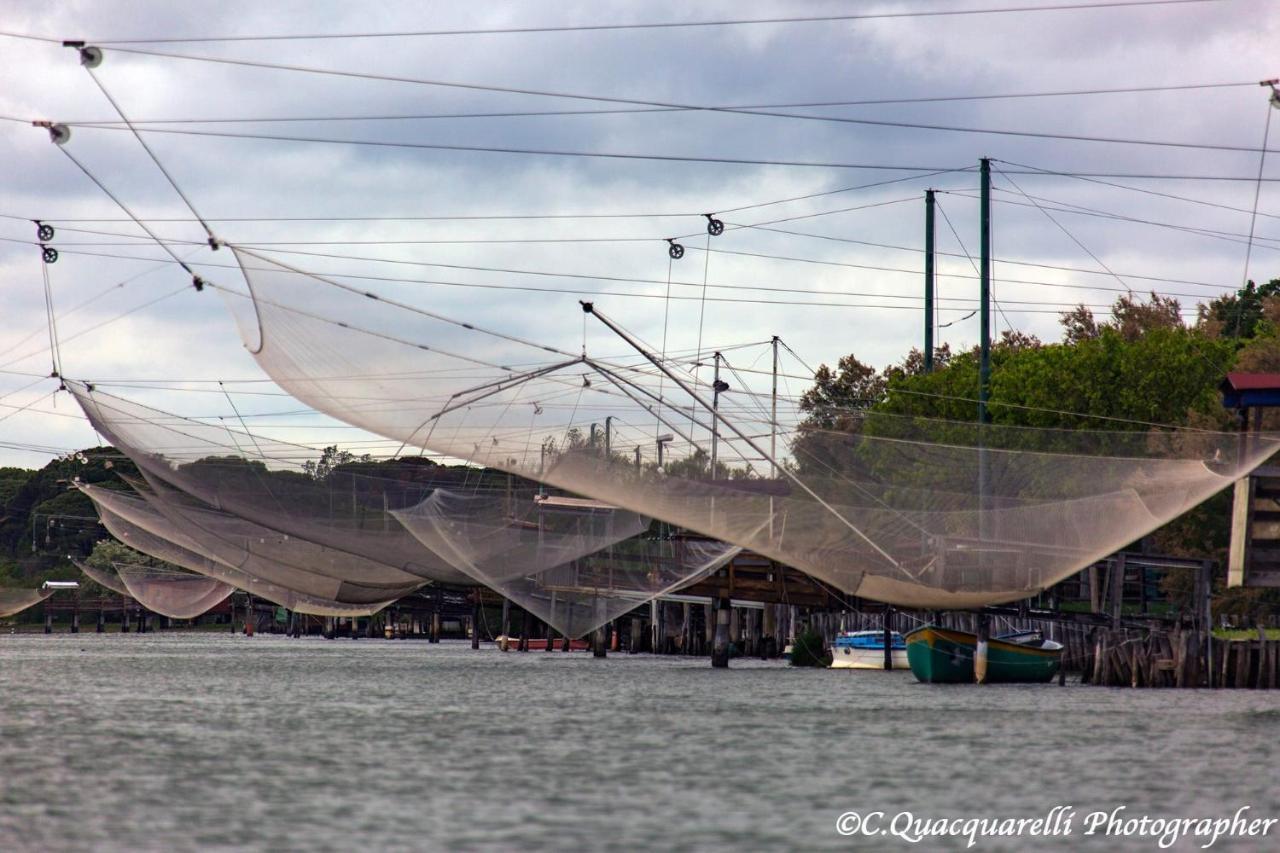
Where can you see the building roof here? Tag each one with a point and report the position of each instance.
(1247, 390)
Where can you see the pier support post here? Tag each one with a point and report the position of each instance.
(124, 621)
(75, 621)
(505, 642)
(102, 621)
(653, 626)
(888, 637)
(435, 626)
(523, 645)
(599, 643)
(633, 646)
(475, 620)
(720, 644)
(980, 653)
(48, 621)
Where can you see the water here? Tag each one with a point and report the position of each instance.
(176, 741)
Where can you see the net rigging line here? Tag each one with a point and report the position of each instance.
(1064, 230)
(963, 248)
(481, 285)
(1272, 102)
(1058, 206)
(88, 62)
(1094, 179)
(675, 297)
(276, 119)
(1218, 289)
(653, 25)
(280, 137)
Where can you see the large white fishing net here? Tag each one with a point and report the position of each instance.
(14, 601)
(242, 501)
(909, 511)
(532, 561)
(136, 523)
(167, 591)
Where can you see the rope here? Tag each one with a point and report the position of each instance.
(1257, 191)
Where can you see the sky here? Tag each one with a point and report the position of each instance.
(830, 264)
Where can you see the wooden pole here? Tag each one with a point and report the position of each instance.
(504, 643)
(888, 624)
(475, 619)
(980, 652)
(720, 646)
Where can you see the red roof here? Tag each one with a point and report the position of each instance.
(1253, 381)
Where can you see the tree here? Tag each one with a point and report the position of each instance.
(1241, 315)
(331, 458)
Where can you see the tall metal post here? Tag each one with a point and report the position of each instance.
(928, 282)
(608, 438)
(773, 432)
(984, 364)
(773, 414)
(715, 407)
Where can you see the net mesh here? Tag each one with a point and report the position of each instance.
(570, 561)
(535, 563)
(909, 511)
(169, 592)
(136, 523)
(14, 601)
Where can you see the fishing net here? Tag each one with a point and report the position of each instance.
(136, 523)
(255, 512)
(910, 511)
(536, 564)
(103, 578)
(176, 594)
(169, 592)
(14, 601)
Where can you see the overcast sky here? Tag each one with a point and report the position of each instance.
(133, 321)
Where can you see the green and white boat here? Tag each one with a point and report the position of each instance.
(945, 656)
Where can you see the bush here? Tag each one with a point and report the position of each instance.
(807, 650)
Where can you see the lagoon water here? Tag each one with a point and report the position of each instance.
(182, 741)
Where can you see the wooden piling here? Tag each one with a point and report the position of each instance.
(720, 643)
(980, 652)
(505, 642)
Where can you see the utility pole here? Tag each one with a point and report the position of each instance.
(984, 308)
(928, 284)
(608, 438)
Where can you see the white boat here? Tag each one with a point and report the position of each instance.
(865, 650)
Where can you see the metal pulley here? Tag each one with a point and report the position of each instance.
(44, 233)
(90, 56)
(715, 227)
(50, 254)
(674, 249)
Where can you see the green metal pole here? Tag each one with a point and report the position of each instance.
(928, 281)
(984, 363)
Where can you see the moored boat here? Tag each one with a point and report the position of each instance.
(865, 650)
(945, 656)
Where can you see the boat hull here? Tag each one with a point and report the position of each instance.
(943, 656)
(849, 658)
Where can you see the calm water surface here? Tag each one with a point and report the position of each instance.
(173, 742)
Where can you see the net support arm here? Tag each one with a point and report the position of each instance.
(589, 308)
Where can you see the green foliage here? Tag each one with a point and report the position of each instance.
(1244, 315)
(807, 650)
